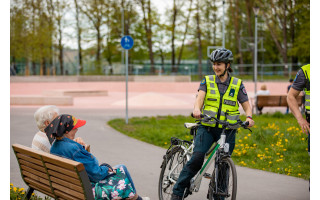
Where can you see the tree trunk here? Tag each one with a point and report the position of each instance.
(249, 7)
(98, 61)
(173, 56)
(34, 68)
(284, 25)
(294, 59)
(162, 60)
(199, 42)
(214, 39)
(185, 34)
(147, 27)
(43, 67)
(27, 72)
(60, 47)
(79, 38)
(61, 58)
(50, 9)
(235, 14)
(282, 50)
(150, 36)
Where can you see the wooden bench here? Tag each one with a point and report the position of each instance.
(57, 177)
(275, 101)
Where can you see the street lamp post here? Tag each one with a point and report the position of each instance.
(256, 11)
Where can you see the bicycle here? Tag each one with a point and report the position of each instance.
(223, 180)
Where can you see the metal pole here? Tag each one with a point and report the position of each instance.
(122, 32)
(223, 26)
(126, 86)
(255, 58)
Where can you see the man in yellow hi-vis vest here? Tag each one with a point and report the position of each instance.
(219, 95)
(301, 82)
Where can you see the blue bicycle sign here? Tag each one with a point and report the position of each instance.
(127, 42)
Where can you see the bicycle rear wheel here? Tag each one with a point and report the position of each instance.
(224, 187)
(173, 158)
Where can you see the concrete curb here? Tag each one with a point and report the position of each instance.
(75, 93)
(40, 100)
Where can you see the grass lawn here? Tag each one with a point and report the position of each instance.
(276, 144)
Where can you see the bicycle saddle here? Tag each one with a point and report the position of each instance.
(190, 125)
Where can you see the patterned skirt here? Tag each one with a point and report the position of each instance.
(117, 186)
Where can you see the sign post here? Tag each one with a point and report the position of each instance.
(127, 43)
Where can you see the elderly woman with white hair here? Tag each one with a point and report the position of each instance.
(44, 116)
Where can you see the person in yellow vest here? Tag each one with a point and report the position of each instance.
(301, 82)
(219, 95)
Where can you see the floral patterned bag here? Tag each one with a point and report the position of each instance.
(116, 186)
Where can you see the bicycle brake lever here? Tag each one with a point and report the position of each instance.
(249, 129)
(245, 126)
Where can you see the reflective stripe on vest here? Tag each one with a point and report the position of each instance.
(230, 106)
(306, 71)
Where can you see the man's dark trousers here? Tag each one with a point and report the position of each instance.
(308, 120)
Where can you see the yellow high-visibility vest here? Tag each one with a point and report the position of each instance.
(224, 107)
(306, 71)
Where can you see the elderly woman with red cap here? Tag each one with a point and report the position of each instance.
(107, 182)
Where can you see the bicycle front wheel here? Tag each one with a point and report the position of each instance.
(172, 165)
(223, 184)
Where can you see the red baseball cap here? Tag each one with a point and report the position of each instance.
(77, 123)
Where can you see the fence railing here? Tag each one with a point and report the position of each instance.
(287, 70)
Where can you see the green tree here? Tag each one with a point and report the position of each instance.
(95, 10)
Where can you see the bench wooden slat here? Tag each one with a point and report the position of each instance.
(63, 162)
(41, 190)
(21, 149)
(36, 178)
(66, 196)
(29, 159)
(62, 170)
(35, 172)
(64, 177)
(31, 165)
(67, 190)
(67, 184)
(39, 185)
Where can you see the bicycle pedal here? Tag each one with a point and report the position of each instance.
(207, 175)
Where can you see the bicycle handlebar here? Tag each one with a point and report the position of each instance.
(207, 118)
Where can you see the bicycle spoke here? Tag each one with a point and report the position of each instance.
(225, 185)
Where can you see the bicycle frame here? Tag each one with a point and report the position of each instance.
(196, 182)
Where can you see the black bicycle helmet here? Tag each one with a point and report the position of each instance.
(221, 55)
